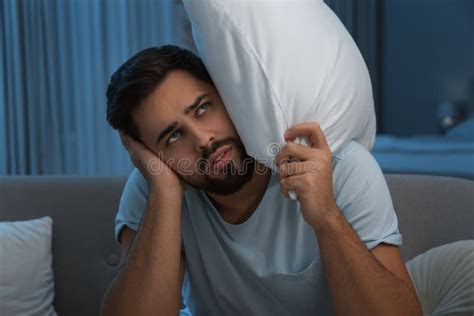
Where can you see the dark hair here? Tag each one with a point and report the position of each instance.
(136, 79)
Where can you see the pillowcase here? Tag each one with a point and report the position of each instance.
(444, 279)
(26, 273)
(280, 63)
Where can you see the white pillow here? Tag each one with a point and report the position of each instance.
(26, 273)
(444, 279)
(280, 63)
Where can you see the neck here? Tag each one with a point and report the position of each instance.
(238, 207)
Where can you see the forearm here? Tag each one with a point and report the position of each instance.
(149, 281)
(358, 283)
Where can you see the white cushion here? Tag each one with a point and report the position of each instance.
(26, 273)
(280, 63)
(444, 279)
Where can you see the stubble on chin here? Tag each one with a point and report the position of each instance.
(227, 180)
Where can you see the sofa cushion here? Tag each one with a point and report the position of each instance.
(444, 279)
(26, 274)
(86, 256)
(431, 210)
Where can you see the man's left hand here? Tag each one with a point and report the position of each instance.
(310, 175)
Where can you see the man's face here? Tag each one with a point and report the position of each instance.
(185, 123)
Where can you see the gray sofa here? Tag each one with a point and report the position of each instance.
(431, 210)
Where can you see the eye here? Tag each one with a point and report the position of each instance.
(203, 108)
(173, 137)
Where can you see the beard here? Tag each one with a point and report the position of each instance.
(230, 178)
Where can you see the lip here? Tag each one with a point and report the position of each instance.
(219, 152)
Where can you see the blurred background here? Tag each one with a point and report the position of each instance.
(57, 57)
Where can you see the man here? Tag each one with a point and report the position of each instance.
(201, 210)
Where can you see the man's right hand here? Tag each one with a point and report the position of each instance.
(156, 172)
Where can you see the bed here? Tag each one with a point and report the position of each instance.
(451, 154)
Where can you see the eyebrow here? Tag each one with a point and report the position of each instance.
(186, 111)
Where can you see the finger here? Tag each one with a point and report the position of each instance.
(124, 138)
(285, 188)
(293, 151)
(289, 184)
(296, 168)
(312, 130)
(131, 144)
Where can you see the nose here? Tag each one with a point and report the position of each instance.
(203, 139)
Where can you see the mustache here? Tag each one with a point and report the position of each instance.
(208, 151)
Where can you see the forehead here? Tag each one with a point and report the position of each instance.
(179, 89)
(166, 103)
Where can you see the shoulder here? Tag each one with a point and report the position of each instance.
(354, 158)
(355, 169)
(353, 150)
(136, 183)
(135, 191)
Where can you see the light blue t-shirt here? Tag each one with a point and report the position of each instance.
(270, 264)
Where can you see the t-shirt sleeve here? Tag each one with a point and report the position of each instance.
(363, 196)
(132, 203)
